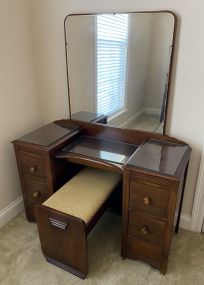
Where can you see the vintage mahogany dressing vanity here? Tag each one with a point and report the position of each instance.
(153, 168)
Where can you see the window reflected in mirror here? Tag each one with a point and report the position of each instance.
(118, 65)
(112, 45)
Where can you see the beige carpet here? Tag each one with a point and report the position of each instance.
(21, 261)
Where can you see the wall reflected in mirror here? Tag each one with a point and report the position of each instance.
(118, 65)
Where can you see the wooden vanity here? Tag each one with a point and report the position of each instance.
(153, 168)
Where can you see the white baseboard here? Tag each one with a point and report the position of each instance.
(152, 111)
(7, 214)
(131, 119)
(198, 209)
(115, 121)
(185, 222)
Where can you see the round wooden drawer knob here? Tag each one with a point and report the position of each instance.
(36, 194)
(145, 230)
(33, 169)
(147, 200)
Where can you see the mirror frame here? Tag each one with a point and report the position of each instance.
(172, 57)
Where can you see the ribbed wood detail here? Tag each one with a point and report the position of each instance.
(58, 224)
(65, 267)
(146, 179)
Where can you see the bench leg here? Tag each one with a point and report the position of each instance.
(63, 240)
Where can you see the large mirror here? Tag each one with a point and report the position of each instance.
(119, 65)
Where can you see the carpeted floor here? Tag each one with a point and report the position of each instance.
(21, 260)
(147, 122)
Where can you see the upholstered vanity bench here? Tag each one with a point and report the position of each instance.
(65, 219)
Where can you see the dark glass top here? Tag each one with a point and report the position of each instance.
(158, 156)
(85, 116)
(48, 134)
(102, 149)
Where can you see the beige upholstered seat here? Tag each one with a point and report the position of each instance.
(83, 195)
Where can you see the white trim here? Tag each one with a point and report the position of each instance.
(131, 119)
(185, 222)
(8, 213)
(198, 205)
(152, 111)
(116, 115)
(114, 118)
(127, 62)
(95, 63)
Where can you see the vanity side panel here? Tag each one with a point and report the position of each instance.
(170, 229)
(125, 211)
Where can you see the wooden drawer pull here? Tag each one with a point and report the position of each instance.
(33, 169)
(145, 230)
(36, 194)
(147, 200)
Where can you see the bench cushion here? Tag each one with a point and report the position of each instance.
(83, 195)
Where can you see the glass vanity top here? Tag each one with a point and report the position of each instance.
(48, 134)
(101, 149)
(158, 156)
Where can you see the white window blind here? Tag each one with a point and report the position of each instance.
(112, 41)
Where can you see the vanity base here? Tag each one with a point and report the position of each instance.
(65, 267)
(153, 168)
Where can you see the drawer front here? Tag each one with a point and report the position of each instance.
(149, 199)
(36, 193)
(33, 167)
(145, 228)
(138, 249)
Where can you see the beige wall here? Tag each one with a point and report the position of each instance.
(80, 33)
(159, 60)
(19, 106)
(138, 61)
(186, 103)
(47, 32)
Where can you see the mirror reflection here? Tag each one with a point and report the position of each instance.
(118, 65)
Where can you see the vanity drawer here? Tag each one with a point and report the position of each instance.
(145, 228)
(33, 167)
(149, 199)
(142, 250)
(36, 193)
